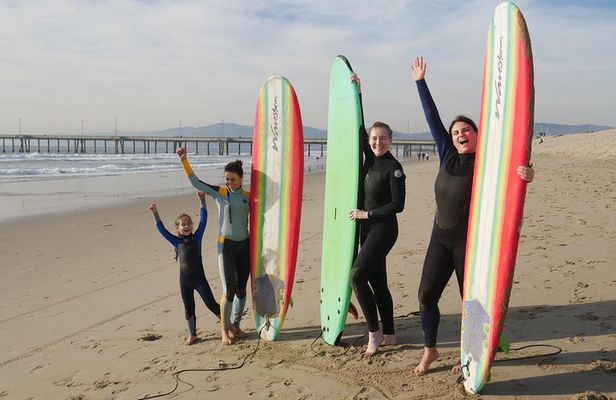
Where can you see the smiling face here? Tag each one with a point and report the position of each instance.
(184, 226)
(464, 137)
(379, 141)
(233, 180)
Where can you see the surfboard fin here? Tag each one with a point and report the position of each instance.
(291, 301)
(353, 310)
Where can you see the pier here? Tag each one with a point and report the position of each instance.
(160, 145)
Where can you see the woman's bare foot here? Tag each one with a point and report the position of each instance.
(374, 341)
(190, 340)
(389, 340)
(429, 356)
(236, 332)
(455, 369)
(225, 338)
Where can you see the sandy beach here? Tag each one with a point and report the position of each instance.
(90, 305)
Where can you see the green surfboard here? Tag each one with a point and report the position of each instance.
(342, 174)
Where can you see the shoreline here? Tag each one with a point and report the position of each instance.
(51, 195)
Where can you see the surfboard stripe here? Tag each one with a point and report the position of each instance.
(505, 130)
(276, 195)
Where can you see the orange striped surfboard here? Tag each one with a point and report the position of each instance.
(276, 185)
(497, 201)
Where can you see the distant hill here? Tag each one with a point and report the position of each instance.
(558, 129)
(235, 130)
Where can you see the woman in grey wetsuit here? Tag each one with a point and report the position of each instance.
(452, 188)
(233, 242)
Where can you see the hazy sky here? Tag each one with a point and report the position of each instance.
(152, 63)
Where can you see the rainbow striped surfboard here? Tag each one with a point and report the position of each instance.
(276, 183)
(497, 201)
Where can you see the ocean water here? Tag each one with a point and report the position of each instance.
(41, 183)
(22, 167)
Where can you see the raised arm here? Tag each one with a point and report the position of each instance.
(202, 217)
(439, 133)
(363, 134)
(210, 190)
(161, 228)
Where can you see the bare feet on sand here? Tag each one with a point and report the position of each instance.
(374, 341)
(389, 340)
(429, 356)
(236, 332)
(190, 340)
(225, 338)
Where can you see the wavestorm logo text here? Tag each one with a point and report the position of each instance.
(498, 83)
(275, 127)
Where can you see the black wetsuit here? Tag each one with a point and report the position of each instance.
(382, 196)
(192, 275)
(447, 247)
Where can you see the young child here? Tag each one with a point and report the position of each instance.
(188, 251)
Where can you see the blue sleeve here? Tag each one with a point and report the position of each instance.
(167, 235)
(439, 133)
(202, 223)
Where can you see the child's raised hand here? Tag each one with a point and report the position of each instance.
(153, 208)
(181, 152)
(201, 195)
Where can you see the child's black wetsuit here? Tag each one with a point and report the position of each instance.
(192, 275)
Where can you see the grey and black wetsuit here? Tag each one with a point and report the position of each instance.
(447, 247)
(382, 195)
(192, 275)
(233, 244)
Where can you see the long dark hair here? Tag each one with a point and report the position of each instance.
(236, 167)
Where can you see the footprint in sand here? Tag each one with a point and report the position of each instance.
(98, 385)
(576, 339)
(66, 382)
(150, 337)
(609, 367)
(589, 316)
(590, 395)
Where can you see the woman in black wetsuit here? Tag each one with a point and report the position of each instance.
(452, 188)
(382, 197)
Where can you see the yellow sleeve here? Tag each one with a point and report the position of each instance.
(186, 165)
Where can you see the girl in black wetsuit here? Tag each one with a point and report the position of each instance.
(382, 197)
(188, 252)
(452, 188)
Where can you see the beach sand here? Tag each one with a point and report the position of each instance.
(90, 305)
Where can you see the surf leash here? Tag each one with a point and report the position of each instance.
(557, 350)
(176, 375)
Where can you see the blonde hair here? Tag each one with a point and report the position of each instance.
(180, 218)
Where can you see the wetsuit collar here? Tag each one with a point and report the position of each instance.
(239, 189)
(385, 156)
(466, 157)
